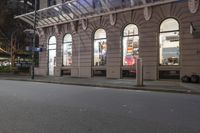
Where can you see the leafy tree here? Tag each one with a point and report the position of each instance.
(11, 28)
(10, 8)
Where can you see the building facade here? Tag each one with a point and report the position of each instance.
(167, 39)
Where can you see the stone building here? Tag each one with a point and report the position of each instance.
(105, 37)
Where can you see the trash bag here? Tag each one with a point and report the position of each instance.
(186, 79)
(195, 79)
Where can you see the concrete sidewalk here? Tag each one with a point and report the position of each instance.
(165, 86)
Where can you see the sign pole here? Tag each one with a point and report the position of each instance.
(34, 41)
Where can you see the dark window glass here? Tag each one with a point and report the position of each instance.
(96, 4)
(51, 2)
(63, 1)
(38, 4)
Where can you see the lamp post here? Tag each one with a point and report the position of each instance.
(34, 41)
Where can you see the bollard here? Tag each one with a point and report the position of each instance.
(139, 72)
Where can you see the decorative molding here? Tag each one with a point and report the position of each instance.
(56, 29)
(40, 32)
(74, 26)
(113, 19)
(84, 24)
(193, 5)
(193, 31)
(148, 13)
(100, 20)
(132, 2)
(64, 28)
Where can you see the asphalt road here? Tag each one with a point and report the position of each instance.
(27, 107)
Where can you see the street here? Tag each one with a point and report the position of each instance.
(31, 107)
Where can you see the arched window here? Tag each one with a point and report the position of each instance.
(52, 41)
(51, 54)
(67, 50)
(169, 42)
(100, 48)
(130, 45)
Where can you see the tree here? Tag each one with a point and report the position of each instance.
(12, 29)
(10, 8)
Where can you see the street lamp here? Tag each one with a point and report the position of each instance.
(34, 41)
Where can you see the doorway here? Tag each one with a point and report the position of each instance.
(51, 55)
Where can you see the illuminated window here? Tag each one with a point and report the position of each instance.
(52, 42)
(169, 42)
(100, 48)
(67, 50)
(52, 54)
(130, 45)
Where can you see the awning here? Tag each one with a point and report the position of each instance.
(83, 9)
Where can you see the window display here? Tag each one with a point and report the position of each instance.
(130, 45)
(67, 50)
(100, 48)
(169, 42)
(51, 55)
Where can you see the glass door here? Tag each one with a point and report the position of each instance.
(52, 61)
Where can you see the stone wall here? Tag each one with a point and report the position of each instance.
(149, 42)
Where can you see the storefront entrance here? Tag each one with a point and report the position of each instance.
(51, 55)
(52, 61)
(100, 53)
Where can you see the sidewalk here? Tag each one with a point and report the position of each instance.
(165, 86)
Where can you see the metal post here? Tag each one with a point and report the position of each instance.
(139, 72)
(34, 41)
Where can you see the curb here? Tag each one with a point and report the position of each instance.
(143, 88)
